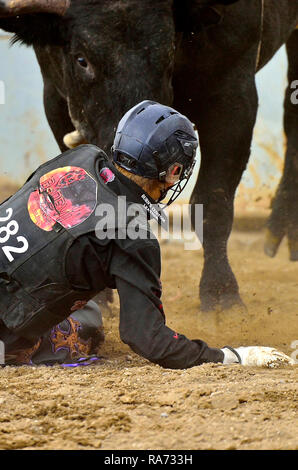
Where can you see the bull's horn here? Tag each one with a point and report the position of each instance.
(10, 8)
(73, 139)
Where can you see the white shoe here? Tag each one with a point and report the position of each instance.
(259, 356)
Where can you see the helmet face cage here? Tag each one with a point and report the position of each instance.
(178, 187)
(157, 142)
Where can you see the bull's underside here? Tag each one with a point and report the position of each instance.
(212, 81)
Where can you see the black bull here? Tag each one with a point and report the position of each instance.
(100, 57)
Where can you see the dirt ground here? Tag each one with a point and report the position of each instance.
(130, 404)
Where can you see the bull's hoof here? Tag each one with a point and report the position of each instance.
(223, 302)
(271, 244)
(218, 286)
(293, 249)
(293, 255)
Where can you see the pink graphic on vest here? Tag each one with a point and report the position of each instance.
(66, 195)
(107, 175)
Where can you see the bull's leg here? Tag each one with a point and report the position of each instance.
(57, 114)
(284, 216)
(225, 125)
(58, 118)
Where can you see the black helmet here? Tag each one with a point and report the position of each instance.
(157, 142)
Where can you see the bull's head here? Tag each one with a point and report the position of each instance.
(103, 56)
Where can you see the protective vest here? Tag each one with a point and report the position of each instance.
(37, 227)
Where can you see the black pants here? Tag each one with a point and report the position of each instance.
(76, 337)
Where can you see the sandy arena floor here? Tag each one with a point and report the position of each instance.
(128, 403)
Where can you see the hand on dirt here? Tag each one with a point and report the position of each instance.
(262, 356)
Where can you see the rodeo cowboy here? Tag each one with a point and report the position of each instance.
(55, 256)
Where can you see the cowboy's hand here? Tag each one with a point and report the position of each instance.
(260, 356)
